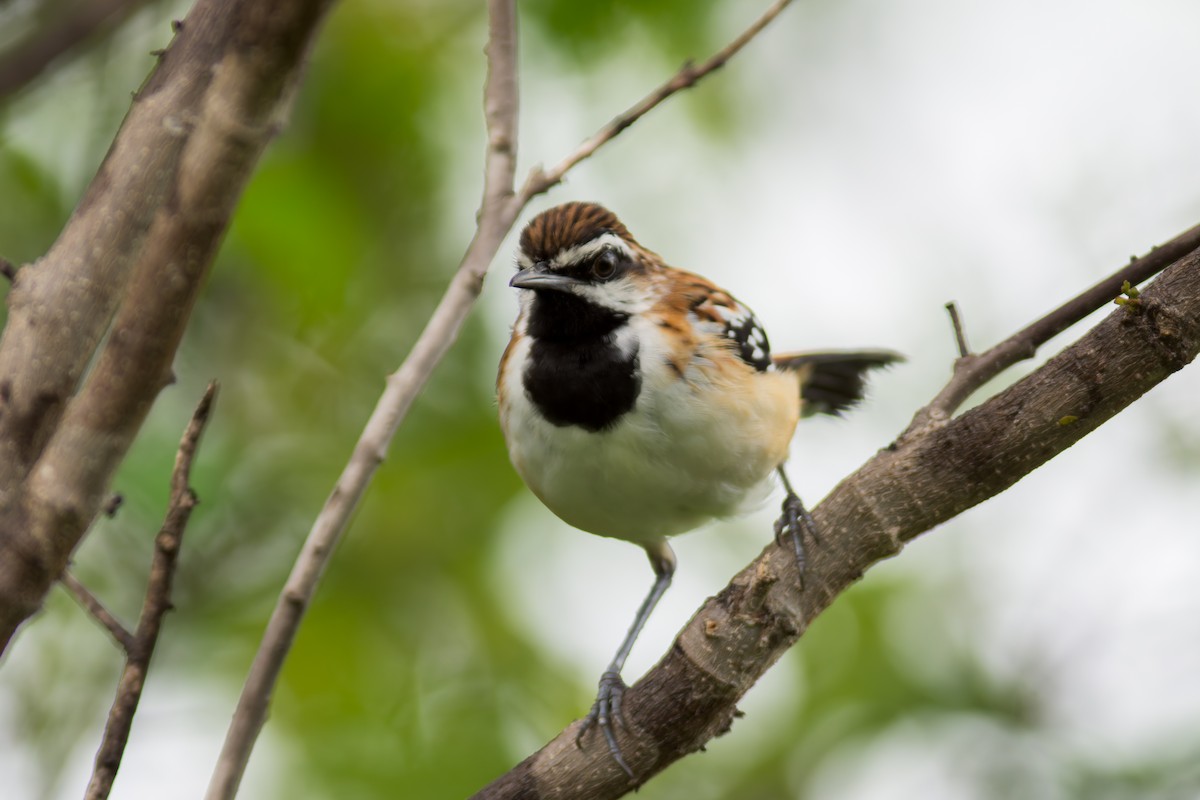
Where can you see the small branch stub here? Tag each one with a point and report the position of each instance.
(960, 336)
(89, 603)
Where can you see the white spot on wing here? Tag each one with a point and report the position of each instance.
(743, 328)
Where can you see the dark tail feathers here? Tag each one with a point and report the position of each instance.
(831, 382)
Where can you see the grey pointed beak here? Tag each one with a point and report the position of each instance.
(540, 278)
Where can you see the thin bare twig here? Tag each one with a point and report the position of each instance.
(93, 606)
(974, 370)
(540, 180)
(498, 213)
(154, 607)
(496, 216)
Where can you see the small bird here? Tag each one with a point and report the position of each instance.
(639, 401)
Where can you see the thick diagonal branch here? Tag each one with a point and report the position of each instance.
(142, 239)
(937, 473)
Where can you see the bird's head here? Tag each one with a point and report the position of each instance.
(582, 251)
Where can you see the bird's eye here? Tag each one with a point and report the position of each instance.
(605, 265)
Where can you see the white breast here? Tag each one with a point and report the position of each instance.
(692, 449)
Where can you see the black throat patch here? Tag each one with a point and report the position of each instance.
(576, 374)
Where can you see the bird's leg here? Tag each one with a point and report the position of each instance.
(795, 522)
(607, 707)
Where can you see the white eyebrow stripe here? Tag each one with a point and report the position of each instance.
(582, 252)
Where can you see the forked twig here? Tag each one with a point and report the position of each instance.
(971, 371)
(154, 607)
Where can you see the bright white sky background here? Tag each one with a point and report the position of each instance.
(1004, 155)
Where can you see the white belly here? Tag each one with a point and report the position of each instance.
(690, 450)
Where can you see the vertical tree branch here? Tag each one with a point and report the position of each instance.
(496, 216)
(501, 105)
(155, 606)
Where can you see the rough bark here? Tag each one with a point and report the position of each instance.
(138, 247)
(936, 473)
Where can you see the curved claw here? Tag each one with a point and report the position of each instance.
(605, 710)
(796, 523)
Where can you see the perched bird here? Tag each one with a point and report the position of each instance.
(639, 401)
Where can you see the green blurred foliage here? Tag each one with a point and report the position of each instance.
(408, 677)
(27, 226)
